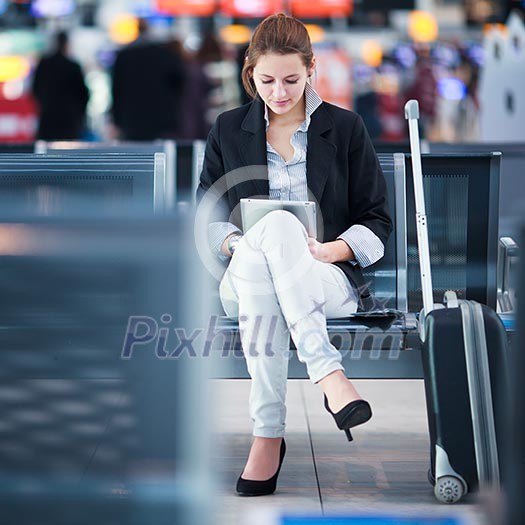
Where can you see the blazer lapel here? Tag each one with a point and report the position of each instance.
(252, 147)
(321, 152)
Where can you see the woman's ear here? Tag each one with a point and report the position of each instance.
(312, 67)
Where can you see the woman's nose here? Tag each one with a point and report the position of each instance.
(278, 90)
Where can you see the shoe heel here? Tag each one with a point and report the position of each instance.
(348, 434)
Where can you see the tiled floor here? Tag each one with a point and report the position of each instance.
(384, 468)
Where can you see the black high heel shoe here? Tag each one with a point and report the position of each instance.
(355, 413)
(249, 487)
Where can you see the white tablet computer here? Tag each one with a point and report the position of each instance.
(253, 210)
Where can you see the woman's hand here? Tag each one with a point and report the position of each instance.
(330, 252)
(225, 248)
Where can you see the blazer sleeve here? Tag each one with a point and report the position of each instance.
(212, 185)
(212, 193)
(368, 197)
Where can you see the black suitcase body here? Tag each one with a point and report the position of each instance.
(464, 425)
(464, 356)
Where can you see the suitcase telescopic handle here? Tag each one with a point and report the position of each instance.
(412, 115)
(412, 110)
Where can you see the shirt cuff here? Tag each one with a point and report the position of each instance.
(217, 233)
(365, 244)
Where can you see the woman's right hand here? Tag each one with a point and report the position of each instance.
(225, 249)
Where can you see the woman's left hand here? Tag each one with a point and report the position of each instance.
(330, 252)
(318, 250)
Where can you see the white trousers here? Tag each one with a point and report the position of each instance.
(276, 288)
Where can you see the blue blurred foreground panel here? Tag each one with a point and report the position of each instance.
(98, 406)
(371, 520)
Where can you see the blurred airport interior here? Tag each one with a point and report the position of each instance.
(372, 57)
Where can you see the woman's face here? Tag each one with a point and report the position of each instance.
(280, 80)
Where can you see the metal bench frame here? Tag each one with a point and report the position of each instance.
(371, 349)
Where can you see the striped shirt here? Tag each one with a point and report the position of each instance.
(287, 181)
(288, 178)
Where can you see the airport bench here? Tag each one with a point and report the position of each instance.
(512, 188)
(82, 182)
(462, 207)
(167, 147)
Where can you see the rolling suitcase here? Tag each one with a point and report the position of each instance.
(464, 354)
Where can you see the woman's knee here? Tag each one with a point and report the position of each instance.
(283, 224)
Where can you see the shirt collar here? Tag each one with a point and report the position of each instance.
(312, 102)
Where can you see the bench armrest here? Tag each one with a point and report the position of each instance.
(507, 256)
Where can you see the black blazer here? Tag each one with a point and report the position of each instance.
(343, 172)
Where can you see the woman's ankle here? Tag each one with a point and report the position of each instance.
(339, 390)
(263, 458)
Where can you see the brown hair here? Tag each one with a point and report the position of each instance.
(280, 34)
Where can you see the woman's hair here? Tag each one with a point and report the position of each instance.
(280, 34)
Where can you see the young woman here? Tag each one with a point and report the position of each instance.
(288, 144)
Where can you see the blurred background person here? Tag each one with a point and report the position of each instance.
(194, 105)
(390, 112)
(467, 123)
(366, 102)
(147, 86)
(424, 89)
(221, 71)
(59, 88)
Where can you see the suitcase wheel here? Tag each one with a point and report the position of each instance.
(448, 489)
